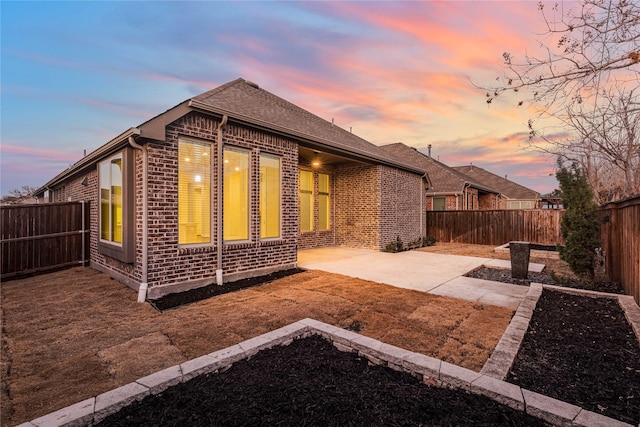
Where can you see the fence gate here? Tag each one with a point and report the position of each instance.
(44, 237)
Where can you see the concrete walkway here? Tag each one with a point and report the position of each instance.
(422, 271)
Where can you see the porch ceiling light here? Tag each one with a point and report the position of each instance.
(316, 160)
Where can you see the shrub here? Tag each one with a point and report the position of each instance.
(394, 247)
(428, 241)
(580, 225)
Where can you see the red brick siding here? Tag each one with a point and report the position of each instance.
(401, 207)
(452, 202)
(169, 263)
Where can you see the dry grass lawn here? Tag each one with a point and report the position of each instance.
(76, 333)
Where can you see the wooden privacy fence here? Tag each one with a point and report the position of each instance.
(620, 233)
(496, 227)
(39, 238)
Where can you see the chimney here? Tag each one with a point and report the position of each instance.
(429, 150)
(471, 166)
(505, 176)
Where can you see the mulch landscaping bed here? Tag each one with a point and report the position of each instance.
(583, 351)
(311, 383)
(504, 276)
(179, 299)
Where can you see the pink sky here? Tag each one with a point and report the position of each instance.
(391, 71)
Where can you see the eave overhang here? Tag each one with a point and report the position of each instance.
(309, 141)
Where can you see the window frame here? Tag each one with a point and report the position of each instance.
(279, 158)
(439, 198)
(328, 195)
(211, 195)
(124, 251)
(248, 152)
(312, 204)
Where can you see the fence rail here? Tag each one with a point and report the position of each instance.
(496, 227)
(40, 238)
(620, 233)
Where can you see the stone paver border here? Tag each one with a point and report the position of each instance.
(433, 372)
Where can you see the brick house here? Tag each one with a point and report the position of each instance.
(231, 184)
(449, 190)
(516, 196)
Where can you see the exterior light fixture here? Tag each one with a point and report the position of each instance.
(316, 161)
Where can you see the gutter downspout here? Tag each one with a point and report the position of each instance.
(423, 205)
(144, 285)
(219, 192)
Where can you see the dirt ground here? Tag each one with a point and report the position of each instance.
(77, 333)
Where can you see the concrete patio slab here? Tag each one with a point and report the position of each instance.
(482, 291)
(422, 271)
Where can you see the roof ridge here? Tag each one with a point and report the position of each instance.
(219, 89)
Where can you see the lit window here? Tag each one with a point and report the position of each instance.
(324, 222)
(269, 197)
(236, 195)
(111, 199)
(305, 196)
(116, 215)
(194, 192)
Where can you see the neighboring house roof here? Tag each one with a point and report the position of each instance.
(444, 179)
(244, 102)
(509, 188)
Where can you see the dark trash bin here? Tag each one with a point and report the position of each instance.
(519, 252)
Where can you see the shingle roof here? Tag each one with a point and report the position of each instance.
(247, 102)
(506, 187)
(444, 179)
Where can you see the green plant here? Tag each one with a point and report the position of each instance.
(580, 226)
(428, 241)
(394, 247)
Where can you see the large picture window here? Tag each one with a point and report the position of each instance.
(236, 194)
(269, 197)
(324, 202)
(305, 200)
(194, 192)
(117, 206)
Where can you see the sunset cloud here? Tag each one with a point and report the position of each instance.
(390, 71)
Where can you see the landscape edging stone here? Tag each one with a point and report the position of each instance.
(97, 408)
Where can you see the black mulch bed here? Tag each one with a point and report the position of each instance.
(501, 275)
(504, 276)
(311, 383)
(183, 298)
(581, 350)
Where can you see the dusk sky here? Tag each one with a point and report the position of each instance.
(77, 74)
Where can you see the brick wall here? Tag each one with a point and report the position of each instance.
(402, 210)
(452, 202)
(130, 274)
(183, 266)
(173, 264)
(357, 198)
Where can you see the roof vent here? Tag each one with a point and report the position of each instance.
(252, 84)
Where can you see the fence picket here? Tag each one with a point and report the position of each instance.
(40, 238)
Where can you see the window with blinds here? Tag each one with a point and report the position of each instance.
(236, 194)
(194, 192)
(111, 199)
(324, 218)
(305, 200)
(269, 196)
